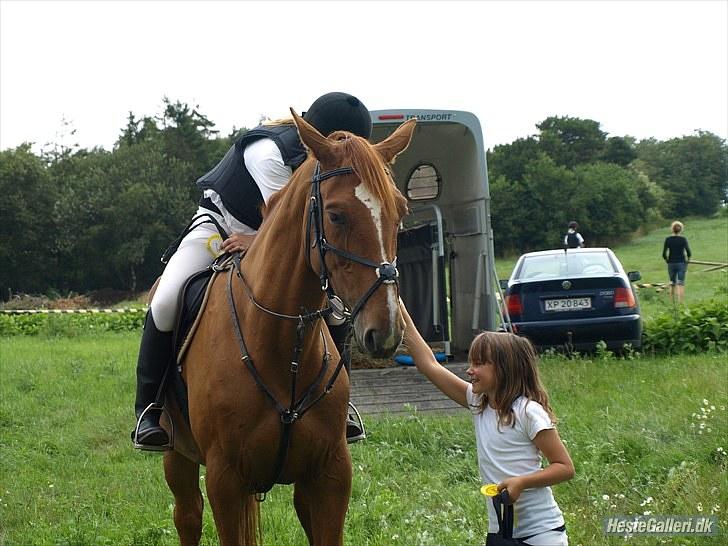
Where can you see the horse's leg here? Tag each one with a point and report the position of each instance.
(321, 502)
(303, 509)
(183, 479)
(235, 512)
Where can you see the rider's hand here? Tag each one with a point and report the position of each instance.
(237, 242)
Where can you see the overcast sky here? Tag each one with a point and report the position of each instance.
(647, 69)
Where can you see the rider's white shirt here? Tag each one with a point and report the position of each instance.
(265, 164)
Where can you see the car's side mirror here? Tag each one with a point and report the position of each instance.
(633, 276)
(503, 283)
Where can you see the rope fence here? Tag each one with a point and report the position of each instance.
(70, 311)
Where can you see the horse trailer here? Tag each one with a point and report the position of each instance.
(445, 254)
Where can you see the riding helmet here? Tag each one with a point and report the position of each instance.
(339, 112)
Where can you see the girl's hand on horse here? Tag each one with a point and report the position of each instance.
(237, 242)
(515, 486)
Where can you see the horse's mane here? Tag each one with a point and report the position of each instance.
(372, 170)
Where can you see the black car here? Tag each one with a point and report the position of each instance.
(573, 299)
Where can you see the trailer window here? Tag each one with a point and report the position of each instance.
(423, 183)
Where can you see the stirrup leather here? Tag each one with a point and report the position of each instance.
(144, 447)
(356, 417)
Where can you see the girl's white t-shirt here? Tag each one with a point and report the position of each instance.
(507, 451)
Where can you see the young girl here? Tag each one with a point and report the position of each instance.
(513, 425)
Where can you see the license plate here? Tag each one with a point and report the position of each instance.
(568, 304)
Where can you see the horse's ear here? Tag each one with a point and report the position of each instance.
(397, 141)
(312, 139)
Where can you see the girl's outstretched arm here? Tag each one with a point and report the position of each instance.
(559, 470)
(449, 383)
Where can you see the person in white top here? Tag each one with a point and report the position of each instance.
(514, 426)
(259, 163)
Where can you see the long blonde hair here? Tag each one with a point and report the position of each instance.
(516, 372)
(277, 122)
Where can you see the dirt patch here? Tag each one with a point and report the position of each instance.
(30, 301)
(360, 361)
(95, 299)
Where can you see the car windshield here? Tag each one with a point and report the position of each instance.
(565, 264)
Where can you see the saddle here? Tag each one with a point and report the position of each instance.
(193, 299)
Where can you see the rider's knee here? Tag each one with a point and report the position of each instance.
(164, 311)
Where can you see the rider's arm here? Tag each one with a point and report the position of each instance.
(265, 164)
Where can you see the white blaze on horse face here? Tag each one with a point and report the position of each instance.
(375, 208)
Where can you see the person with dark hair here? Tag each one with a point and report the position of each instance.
(573, 238)
(676, 252)
(259, 164)
(514, 426)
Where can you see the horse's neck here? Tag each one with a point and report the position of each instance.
(277, 273)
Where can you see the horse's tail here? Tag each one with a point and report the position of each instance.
(250, 521)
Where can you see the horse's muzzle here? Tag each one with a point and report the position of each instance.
(378, 343)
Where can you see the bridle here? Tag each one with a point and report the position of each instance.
(386, 274)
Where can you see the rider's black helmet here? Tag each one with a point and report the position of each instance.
(339, 112)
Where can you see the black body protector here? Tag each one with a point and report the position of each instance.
(236, 187)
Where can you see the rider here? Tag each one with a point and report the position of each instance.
(259, 164)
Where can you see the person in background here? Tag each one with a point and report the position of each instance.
(676, 252)
(514, 425)
(259, 164)
(573, 238)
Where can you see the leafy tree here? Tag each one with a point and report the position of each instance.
(532, 214)
(609, 195)
(138, 131)
(571, 141)
(510, 160)
(693, 171)
(27, 227)
(619, 150)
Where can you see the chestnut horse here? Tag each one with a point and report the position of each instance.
(267, 403)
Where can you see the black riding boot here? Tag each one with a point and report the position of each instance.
(354, 425)
(155, 354)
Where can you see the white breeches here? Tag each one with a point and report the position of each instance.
(197, 251)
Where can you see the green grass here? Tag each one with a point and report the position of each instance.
(68, 474)
(708, 238)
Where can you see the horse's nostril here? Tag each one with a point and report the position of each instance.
(370, 340)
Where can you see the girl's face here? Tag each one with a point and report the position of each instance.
(482, 377)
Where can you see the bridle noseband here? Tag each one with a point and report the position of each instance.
(387, 272)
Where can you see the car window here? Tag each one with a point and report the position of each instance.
(566, 264)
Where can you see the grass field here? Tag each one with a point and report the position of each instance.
(708, 239)
(646, 435)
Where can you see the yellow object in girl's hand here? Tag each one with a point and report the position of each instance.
(489, 490)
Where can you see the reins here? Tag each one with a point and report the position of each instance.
(386, 274)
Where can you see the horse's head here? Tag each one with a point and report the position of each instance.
(355, 212)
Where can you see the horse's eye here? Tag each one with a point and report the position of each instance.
(336, 218)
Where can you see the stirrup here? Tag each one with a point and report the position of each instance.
(144, 447)
(357, 421)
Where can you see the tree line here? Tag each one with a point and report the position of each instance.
(612, 186)
(87, 219)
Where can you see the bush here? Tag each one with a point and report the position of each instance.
(699, 327)
(70, 324)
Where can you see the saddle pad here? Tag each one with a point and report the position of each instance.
(194, 298)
